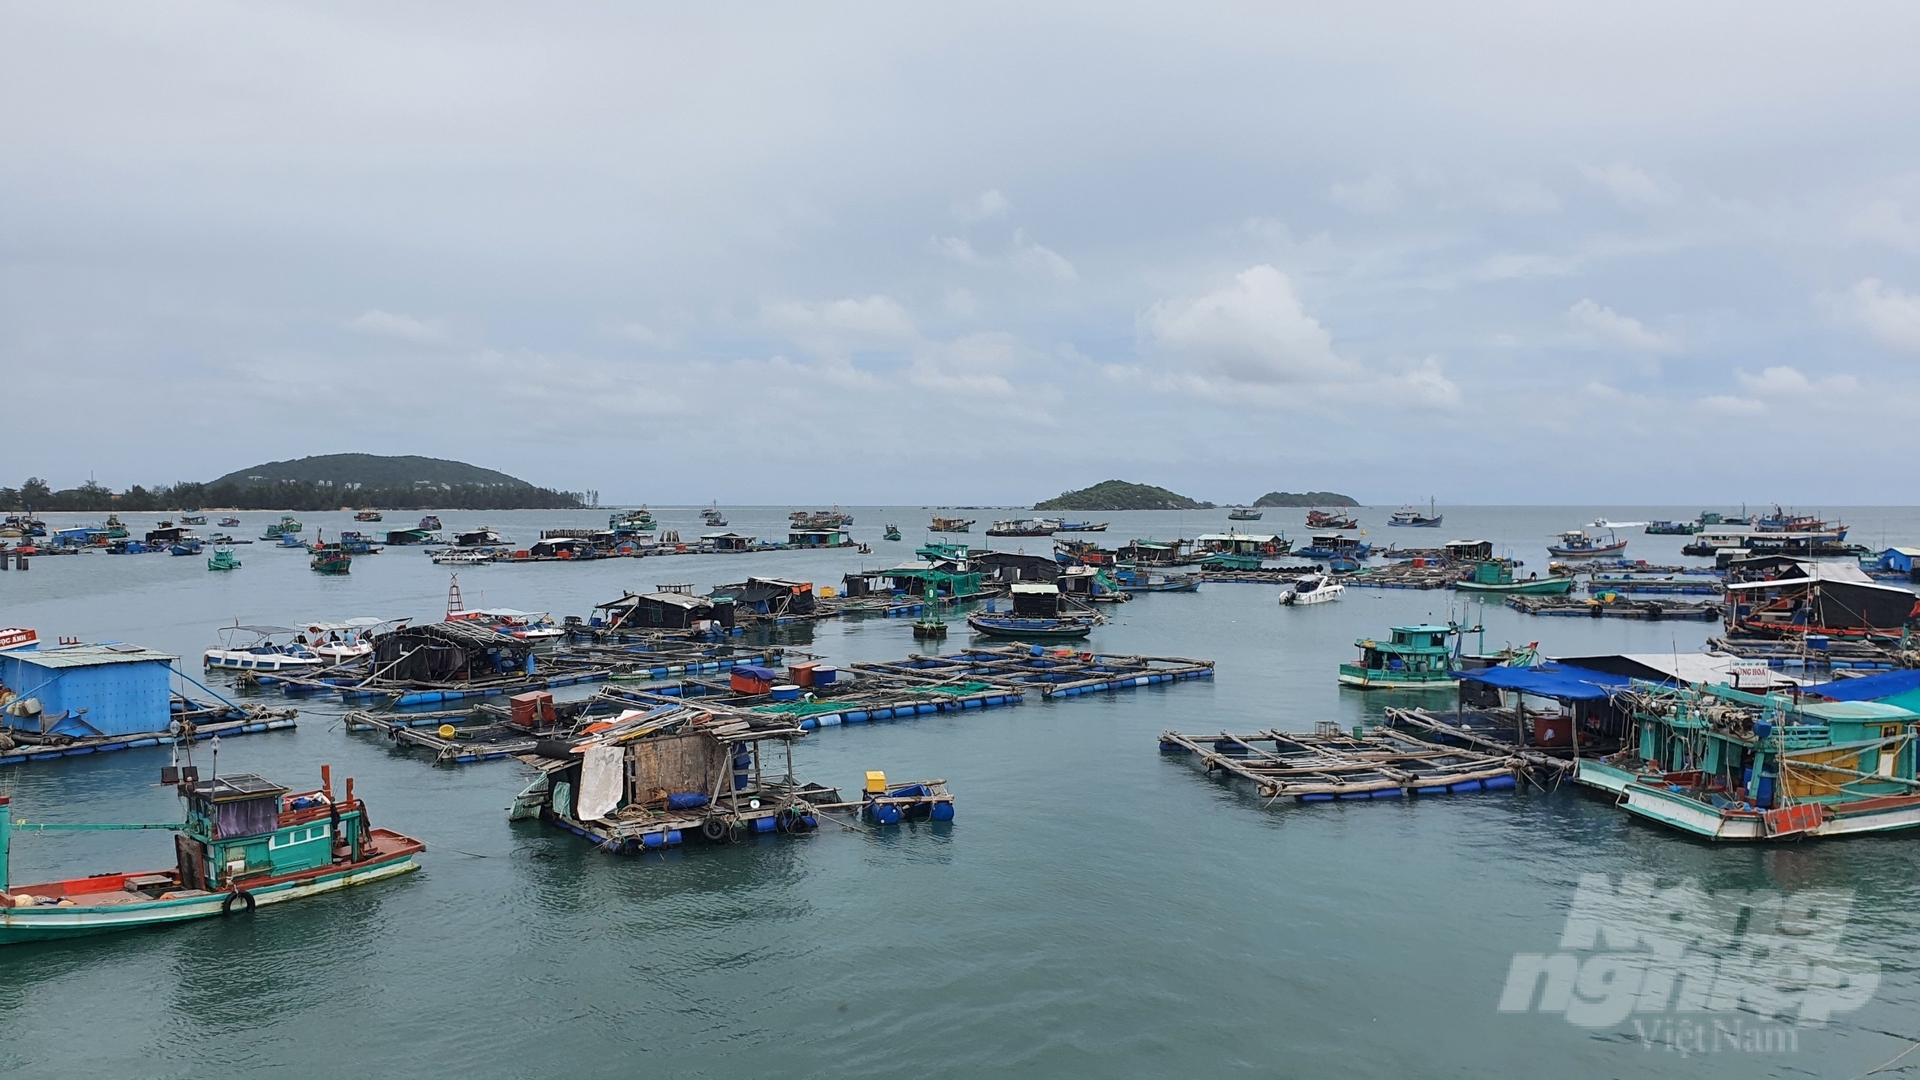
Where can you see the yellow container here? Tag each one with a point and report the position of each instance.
(826, 591)
(876, 782)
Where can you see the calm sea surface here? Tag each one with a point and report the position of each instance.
(1098, 909)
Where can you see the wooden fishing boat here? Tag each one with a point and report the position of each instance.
(1136, 580)
(229, 522)
(1496, 576)
(1577, 544)
(1731, 765)
(951, 525)
(331, 558)
(1412, 658)
(1243, 513)
(1081, 526)
(712, 516)
(287, 524)
(193, 519)
(223, 559)
(1671, 528)
(1024, 527)
(428, 523)
(245, 842)
(640, 520)
(1040, 613)
(186, 545)
(893, 532)
(1320, 519)
(368, 515)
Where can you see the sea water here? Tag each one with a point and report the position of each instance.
(1097, 909)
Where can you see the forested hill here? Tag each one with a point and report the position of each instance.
(1305, 498)
(371, 470)
(328, 482)
(1120, 495)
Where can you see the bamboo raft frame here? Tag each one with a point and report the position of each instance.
(1649, 610)
(1053, 671)
(1329, 764)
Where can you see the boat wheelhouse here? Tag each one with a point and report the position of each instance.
(1413, 657)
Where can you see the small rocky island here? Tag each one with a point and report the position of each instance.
(1120, 495)
(1305, 498)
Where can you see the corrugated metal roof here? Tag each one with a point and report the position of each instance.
(1856, 710)
(76, 656)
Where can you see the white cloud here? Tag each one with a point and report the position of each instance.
(1630, 186)
(1253, 331)
(1375, 195)
(400, 327)
(1032, 256)
(1893, 316)
(1885, 222)
(987, 204)
(961, 303)
(838, 327)
(957, 249)
(1422, 385)
(1783, 381)
(1612, 328)
(1728, 405)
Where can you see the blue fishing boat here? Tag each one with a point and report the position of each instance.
(186, 545)
(1335, 545)
(1039, 614)
(1133, 579)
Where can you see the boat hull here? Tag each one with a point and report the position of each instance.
(1377, 679)
(1325, 594)
(1536, 587)
(244, 661)
(52, 923)
(1029, 629)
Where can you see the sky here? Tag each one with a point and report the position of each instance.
(1632, 253)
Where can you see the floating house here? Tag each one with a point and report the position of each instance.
(446, 652)
(1785, 596)
(663, 610)
(775, 598)
(729, 541)
(1899, 560)
(913, 579)
(1007, 567)
(86, 690)
(818, 538)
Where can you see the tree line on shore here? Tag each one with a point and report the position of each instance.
(91, 497)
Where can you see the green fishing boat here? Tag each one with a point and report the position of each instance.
(223, 559)
(287, 524)
(1412, 658)
(331, 558)
(246, 841)
(1494, 576)
(893, 532)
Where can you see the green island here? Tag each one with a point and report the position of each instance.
(324, 482)
(1305, 498)
(1120, 495)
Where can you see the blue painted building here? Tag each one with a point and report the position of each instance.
(87, 690)
(1899, 559)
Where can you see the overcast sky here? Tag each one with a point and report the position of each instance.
(897, 253)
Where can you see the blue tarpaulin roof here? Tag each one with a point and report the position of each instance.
(1563, 681)
(1868, 687)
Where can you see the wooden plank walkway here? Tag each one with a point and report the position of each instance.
(1330, 764)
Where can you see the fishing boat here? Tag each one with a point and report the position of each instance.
(223, 558)
(1313, 589)
(368, 515)
(331, 558)
(1736, 765)
(114, 529)
(1496, 576)
(1134, 579)
(1024, 527)
(640, 520)
(526, 625)
(1782, 521)
(229, 522)
(893, 532)
(1409, 516)
(1412, 658)
(712, 517)
(255, 648)
(245, 842)
(1671, 528)
(1081, 526)
(1577, 544)
(1243, 513)
(18, 637)
(186, 545)
(287, 524)
(22, 525)
(428, 524)
(1039, 614)
(358, 543)
(292, 540)
(1320, 519)
(1333, 545)
(193, 519)
(951, 525)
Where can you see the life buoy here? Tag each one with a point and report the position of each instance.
(714, 829)
(241, 895)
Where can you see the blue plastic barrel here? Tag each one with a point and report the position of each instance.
(884, 813)
(942, 811)
(764, 824)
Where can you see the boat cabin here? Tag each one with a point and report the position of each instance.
(484, 536)
(1411, 657)
(1466, 551)
(1264, 544)
(1037, 600)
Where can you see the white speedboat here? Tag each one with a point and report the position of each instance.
(348, 639)
(1313, 589)
(255, 648)
(457, 557)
